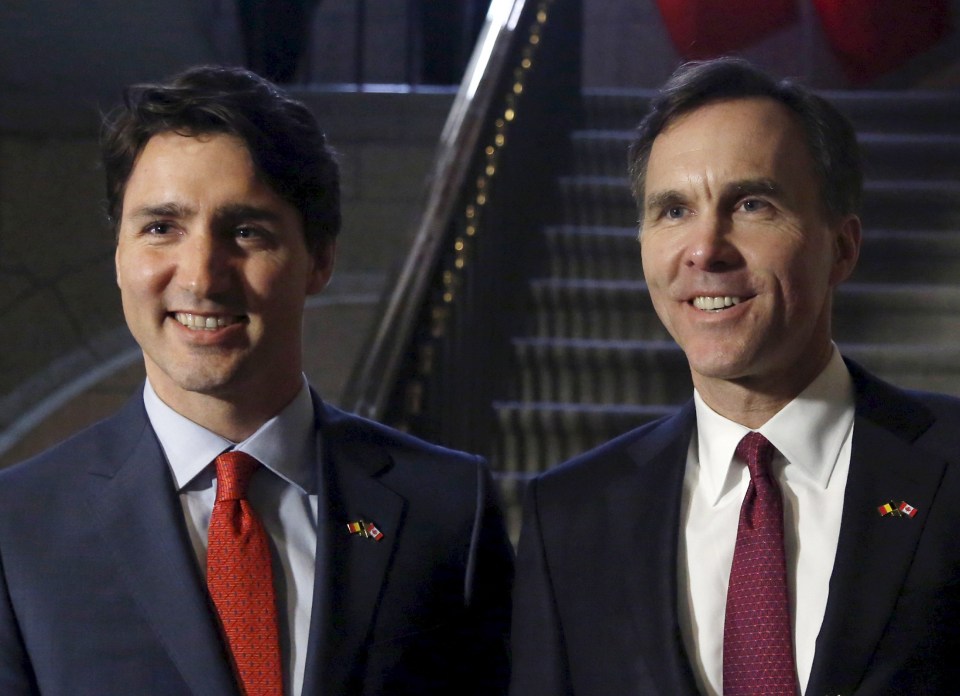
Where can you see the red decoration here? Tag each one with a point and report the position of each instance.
(872, 37)
(703, 29)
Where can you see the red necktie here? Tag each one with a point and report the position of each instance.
(757, 638)
(240, 580)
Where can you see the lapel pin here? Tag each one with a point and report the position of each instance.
(907, 509)
(365, 529)
(373, 532)
(894, 509)
(890, 508)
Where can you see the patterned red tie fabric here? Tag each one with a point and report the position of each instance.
(757, 637)
(240, 580)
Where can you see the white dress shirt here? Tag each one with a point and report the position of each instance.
(283, 492)
(812, 435)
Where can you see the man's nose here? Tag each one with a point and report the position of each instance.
(710, 246)
(204, 264)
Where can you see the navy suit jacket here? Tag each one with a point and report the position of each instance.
(595, 602)
(100, 592)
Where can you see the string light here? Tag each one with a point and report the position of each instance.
(451, 278)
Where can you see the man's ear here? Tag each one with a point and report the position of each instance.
(846, 248)
(323, 261)
(116, 265)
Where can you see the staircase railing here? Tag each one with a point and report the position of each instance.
(440, 350)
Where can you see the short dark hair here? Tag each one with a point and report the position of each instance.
(829, 135)
(285, 141)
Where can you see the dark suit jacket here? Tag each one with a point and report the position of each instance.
(595, 603)
(100, 592)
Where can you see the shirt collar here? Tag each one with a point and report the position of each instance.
(808, 432)
(285, 444)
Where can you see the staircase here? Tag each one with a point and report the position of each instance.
(596, 361)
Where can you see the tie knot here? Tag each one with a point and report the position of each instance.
(757, 451)
(234, 470)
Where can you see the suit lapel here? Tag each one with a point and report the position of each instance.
(350, 569)
(141, 521)
(874, 552)
(643, 514)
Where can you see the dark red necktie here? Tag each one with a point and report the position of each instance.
(757, 637)
(240, 580)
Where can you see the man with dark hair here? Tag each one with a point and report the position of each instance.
(227, 532)
(745, 545)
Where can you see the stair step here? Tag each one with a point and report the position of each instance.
(897, 313)
(892, 111)
(601, 152)
(535, 436)
(605, 201)
(601, 371)
(615, 109)
(912, 204)
(655, 372)
(920, 156)
(903, 256)
(588, 309)
(923, 156)
(597, 201)
(887, 256)
(593, 252)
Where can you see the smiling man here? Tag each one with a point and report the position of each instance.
(227, 532)
(738, 547)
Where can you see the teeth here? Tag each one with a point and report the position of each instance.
(203, 323)
(714, 304)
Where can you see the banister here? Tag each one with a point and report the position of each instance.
(375, 374)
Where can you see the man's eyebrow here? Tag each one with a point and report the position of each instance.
(162, 210)
(237, 212)
(663, 199)
(754, 187)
